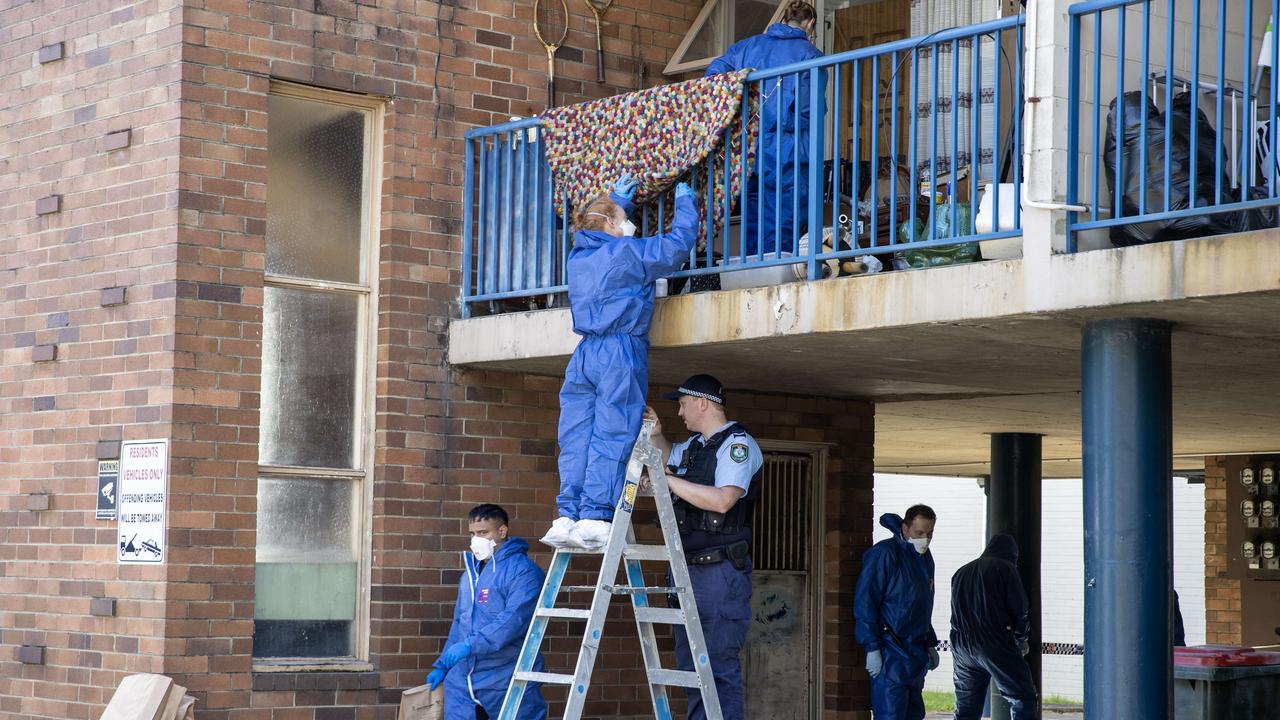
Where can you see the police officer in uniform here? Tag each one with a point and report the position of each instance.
(714, 476)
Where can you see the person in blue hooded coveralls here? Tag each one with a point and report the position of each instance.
(776, 202)
(496, 599)
(611, 296)
(990, 627)
(893, 608)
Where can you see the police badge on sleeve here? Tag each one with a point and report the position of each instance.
(738, 452)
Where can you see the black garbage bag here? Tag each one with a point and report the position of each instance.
(1181, 185)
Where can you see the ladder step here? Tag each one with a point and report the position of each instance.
(563, 613)
(660, 615)
(647, 552)
(672, 678)
(551, 678)
(581, 551)
(636, 590)
(624, 589)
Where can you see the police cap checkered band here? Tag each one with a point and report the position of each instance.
(699, 386)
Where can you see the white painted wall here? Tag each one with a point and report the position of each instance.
(959, 538)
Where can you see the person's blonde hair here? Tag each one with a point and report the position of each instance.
(589, 217)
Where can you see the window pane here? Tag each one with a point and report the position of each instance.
(707, 43)
(308, 378)
(315, 176)
(751, 17)
(305, 589)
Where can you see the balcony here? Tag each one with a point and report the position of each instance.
(1170, 115)
(857, 114)
(951, 352)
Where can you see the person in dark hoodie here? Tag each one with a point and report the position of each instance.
(496, 598)
(775, 209)
(893, 609)
(611, 296)
(990, 626)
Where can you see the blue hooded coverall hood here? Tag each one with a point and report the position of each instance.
(611, 295)
(989, 619)
(779, 193)
(893, 608)
(494, 608)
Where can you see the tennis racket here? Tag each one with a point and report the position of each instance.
(598, 9)
(551, 25)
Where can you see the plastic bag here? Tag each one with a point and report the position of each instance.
(944, 254)
(1182, 187)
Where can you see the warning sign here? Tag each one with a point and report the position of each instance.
(108, 479)
(140, 500)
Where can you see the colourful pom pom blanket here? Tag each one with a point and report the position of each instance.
(661, 136)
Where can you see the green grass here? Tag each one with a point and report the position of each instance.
(939, 701)
(936, 701)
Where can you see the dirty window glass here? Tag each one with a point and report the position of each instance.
(305, 587)
(308, 378)
(315, 188)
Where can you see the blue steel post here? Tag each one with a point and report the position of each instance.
(996, 176)
(1013, 507)
(1019, 99)
(468, 208)
(1073, 126)
(816, 92)
(1127, 427)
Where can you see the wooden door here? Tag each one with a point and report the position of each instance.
(864, 25)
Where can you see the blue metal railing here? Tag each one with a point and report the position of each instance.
(943, 111)
(1181, 188)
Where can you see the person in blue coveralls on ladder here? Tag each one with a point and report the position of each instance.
(990, 631)
(715, 477)
(776, 205)
(496, 599)
(611, 296)
(893, 608)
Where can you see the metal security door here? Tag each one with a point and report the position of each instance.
(781, 664)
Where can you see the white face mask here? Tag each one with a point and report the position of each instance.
(482, 548)
(628, 228)
(920, 544)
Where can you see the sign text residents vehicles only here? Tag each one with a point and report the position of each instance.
(141, 489)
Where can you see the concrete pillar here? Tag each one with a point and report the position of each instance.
(1013, 507)
(1128, 535)
(1044, 142)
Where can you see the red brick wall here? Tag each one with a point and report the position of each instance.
(1221, 591)
(177, 217)
(111, 379)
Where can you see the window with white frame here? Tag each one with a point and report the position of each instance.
(720, 24)
(315, 443)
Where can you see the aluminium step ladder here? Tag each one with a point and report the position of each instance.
(622, 549)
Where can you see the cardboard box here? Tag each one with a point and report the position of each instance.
(140, 697)
(420, 703)
(150, 697)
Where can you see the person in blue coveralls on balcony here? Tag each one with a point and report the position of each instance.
(496, 599)
(611, 296)
(776, 205)
(893, 608)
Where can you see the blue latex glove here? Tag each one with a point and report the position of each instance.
(436, 677)
(626, 186)
(455, 653)
(934, 660)
(874, 663)
(683, 190)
